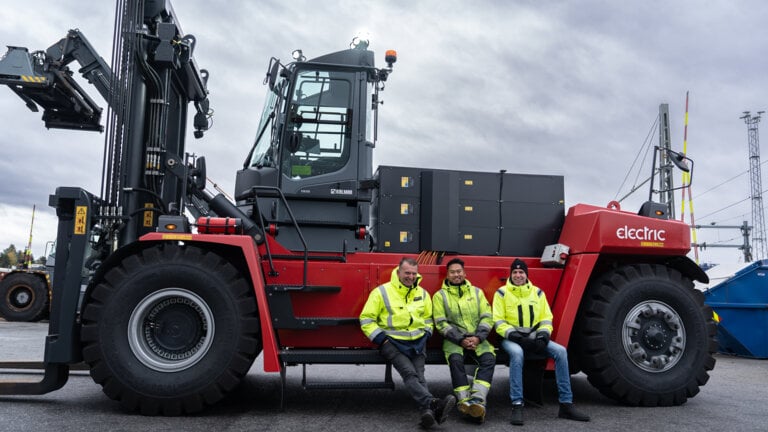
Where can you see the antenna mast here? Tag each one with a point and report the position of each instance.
(666, 185)
(756, 187)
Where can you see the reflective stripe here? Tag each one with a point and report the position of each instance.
(448, 329)
(480, 390)
(386, 305)
(374, 334)
(462, 393)
(477, 298)
(404, 333)
(531, 316)
(481, 383)
(446, 304)
(367, 321)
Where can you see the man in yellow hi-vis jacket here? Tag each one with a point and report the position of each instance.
(524, 320)
(463, 316)
(398, 318)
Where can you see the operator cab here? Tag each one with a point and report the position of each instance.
(315, 143)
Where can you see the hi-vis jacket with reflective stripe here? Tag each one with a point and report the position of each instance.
(462, 311)
(521, 308)
(398, 311)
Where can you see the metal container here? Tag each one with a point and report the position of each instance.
(742, 305)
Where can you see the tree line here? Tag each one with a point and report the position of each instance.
(12, 257)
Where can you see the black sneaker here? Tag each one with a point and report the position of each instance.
(568, 411)
(517, 415)
(442, 407)
(427, 419)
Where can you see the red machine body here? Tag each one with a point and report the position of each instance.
(589, 231)
(170, 315)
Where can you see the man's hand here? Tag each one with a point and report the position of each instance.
(515, 337)
(470, 342)
(542, 340)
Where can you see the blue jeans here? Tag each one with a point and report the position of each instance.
(562, 374)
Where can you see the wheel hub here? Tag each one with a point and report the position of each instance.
(653, 336)
(21, 297)
(171, 330)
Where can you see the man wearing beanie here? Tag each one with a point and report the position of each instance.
(463, 316)
(524, 320)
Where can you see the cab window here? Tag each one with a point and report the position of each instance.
(319, 124)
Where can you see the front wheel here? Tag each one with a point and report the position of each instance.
(645, 337)
(170, 330)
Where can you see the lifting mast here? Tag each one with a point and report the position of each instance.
(142, 175)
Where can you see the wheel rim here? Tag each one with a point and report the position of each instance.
(171, 330)
(653, 336)
(21, 297)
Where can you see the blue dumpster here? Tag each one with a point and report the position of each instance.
(742, 304)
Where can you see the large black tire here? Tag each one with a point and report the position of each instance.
(24, 297)
(644, 336)
(170, 330)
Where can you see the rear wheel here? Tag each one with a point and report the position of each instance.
(645, 336)
(24, 297)
(170, 330)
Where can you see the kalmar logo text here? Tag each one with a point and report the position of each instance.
(644, 233)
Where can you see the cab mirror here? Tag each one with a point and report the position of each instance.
(294, 142)
(272, 75)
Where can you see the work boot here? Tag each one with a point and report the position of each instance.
(462, 398)
(477, 410)
(442, 407)
(463, 406)
(427, 418)
(568, 411)
(517, 415)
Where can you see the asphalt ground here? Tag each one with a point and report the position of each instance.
(733, 399)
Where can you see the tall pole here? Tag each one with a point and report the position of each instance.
(756, 186)
(665, 165)
(28, 252)
(686, 187)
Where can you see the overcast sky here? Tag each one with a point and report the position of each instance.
(540, 87)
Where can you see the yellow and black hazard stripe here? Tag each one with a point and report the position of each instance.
(33, 78)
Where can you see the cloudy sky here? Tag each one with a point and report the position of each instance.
(549, 87)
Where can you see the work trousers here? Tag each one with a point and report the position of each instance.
(562, 374)
(485, 365)
(411, 370)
